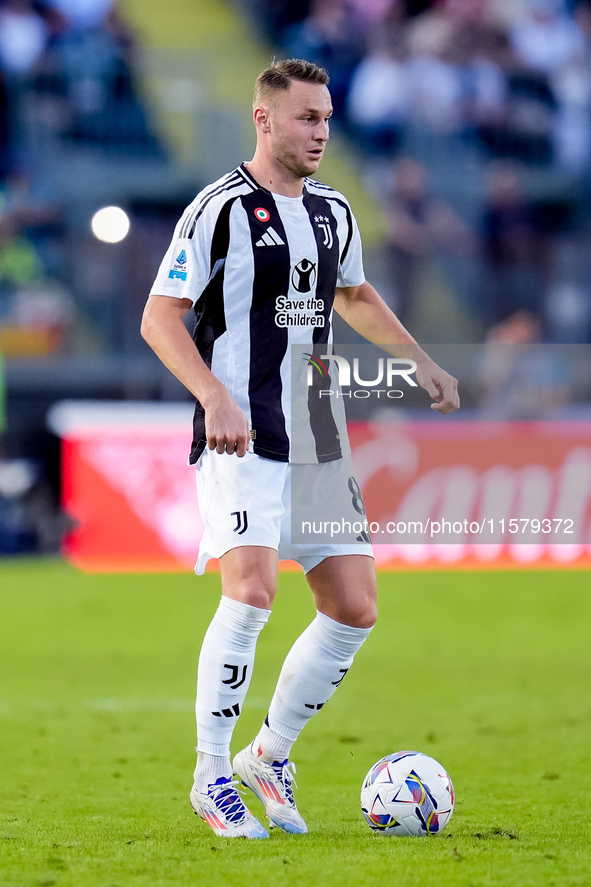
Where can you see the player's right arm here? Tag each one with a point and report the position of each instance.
(163, 328)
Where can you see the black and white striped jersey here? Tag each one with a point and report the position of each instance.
(261, 271)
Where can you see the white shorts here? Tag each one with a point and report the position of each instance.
(249, 501)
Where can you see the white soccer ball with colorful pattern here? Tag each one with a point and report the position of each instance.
(407, 793)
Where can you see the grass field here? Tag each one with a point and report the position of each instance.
(488, 672)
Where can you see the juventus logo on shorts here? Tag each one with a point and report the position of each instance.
(241, 522)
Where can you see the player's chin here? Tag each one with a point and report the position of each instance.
(312, 162)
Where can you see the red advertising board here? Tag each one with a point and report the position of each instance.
(486, 494)
(437, 494)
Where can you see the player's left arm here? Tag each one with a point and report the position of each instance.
(364, 310)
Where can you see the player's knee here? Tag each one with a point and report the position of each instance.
(253, 594)
(365, 607)
(359, 614)
(367, 617)
(260, 598)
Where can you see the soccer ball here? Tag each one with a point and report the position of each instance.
(407, 793)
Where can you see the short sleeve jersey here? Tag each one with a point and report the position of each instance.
(261, 271)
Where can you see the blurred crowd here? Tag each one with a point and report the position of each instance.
(503, 86)
(518, 254)
(511, 75)
(505, 81)
(67, 84)
(413, 82)
(67, 92)
(70, 64)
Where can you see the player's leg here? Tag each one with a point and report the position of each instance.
(241, 514)
(345, 589)
(226, 660)
(345, 592)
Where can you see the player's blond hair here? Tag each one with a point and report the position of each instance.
(278, 76)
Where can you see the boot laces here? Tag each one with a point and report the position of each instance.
(285, 772)
(224, 794)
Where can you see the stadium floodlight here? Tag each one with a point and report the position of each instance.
(110, 224)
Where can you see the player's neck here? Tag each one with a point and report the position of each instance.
(274, 177)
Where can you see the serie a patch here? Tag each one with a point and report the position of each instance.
(179, 269)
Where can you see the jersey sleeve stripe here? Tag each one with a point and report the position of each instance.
(226, 189)
(195, 208)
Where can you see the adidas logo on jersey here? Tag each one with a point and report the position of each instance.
(270, 238)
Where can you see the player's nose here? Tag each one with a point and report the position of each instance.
(322, 130)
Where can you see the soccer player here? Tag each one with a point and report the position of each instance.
(261, 236)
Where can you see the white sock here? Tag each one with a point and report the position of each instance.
(271, 746)
(225, 668)
(312, 671)
(210, 768)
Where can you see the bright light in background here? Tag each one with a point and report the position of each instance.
(110, 224)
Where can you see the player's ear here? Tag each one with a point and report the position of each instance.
(261, 119)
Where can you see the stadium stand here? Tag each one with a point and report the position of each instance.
(460, 87)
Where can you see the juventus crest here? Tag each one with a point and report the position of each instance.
(323, 223)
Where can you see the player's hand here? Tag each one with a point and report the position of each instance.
(439, 385)
(226, 427)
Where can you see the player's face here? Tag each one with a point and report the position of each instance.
(299, 127)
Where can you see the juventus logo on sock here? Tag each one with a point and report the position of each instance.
(241, 522)
(343, 672)
(337, 683)
(233, 679)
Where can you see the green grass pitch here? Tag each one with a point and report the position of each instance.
(488, 672)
